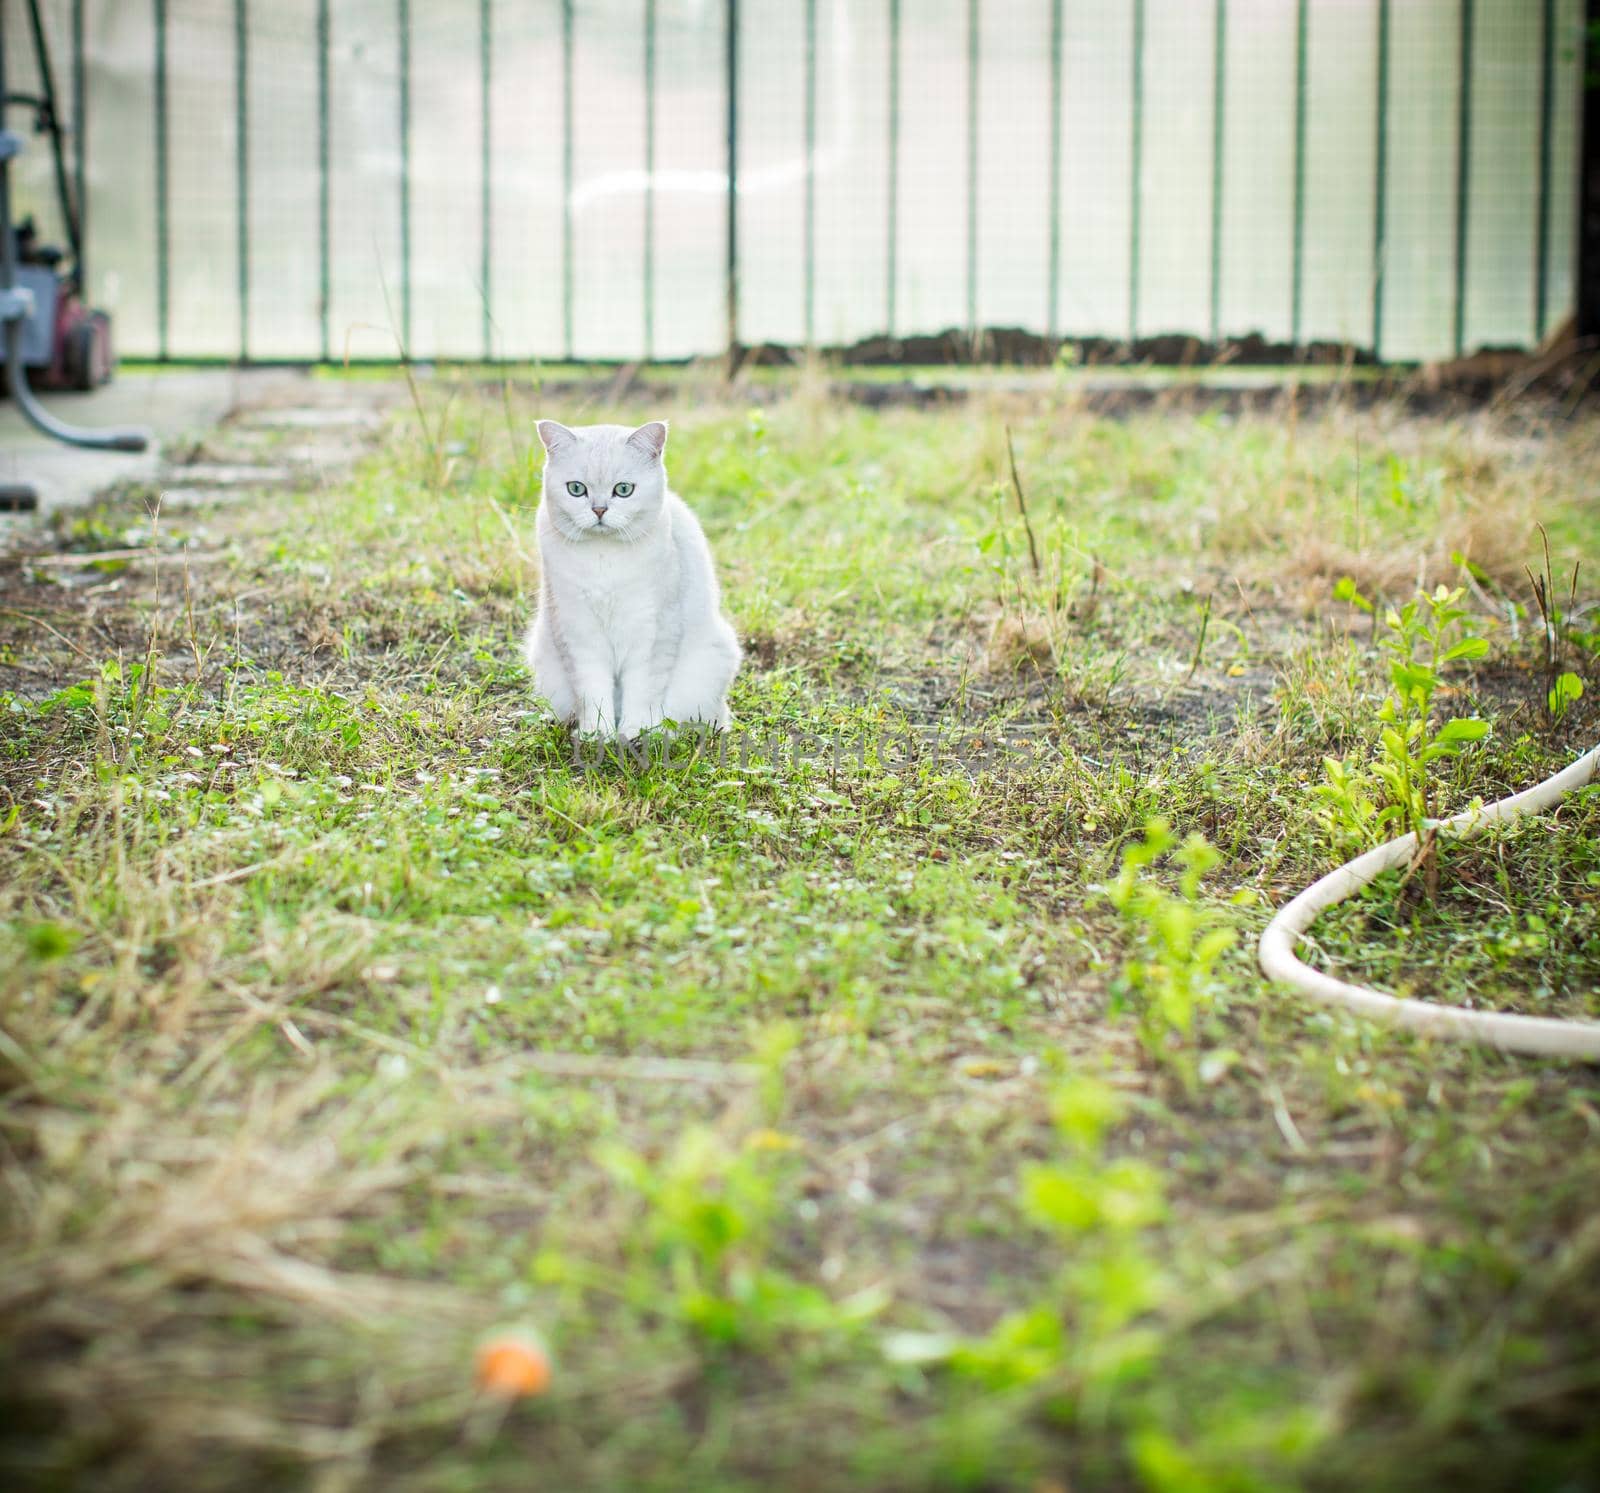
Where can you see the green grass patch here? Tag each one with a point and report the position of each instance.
(872, 1097)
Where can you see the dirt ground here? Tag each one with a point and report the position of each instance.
(883, 1095)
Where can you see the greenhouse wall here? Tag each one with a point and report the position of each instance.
(629, 179)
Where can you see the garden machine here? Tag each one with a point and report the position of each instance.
(48, 329)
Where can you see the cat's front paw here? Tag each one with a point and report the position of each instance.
(634, 725)
(589, 729)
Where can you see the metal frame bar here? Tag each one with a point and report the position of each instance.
(80, 131)
(324, 171)
(810, 207)
(1588, 268)
(163, 226)
(1541, 243)
(973, 59)
(1053, 290)
(403, 25)
(241, 92)
(892, 192)
(485, 176)
(649, 180)
(1219, 74)
(1380, 215)
(1136, 172)
(1463, 175)
(1297, 273)
(732, 268)
(566, 179)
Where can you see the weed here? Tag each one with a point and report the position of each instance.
(1086, 1336)
(1090, 1352)
(1173, 979)
(334, 991)
(1566, 689)
(704, 1237)
(705, 1242)
(1558, 627)
(1420, 642)
(1347, 805)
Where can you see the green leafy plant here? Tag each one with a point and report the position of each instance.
(705, 1242)
(1422, 638)
(1089, 1349)
(1241, 1449)
(1419, 647)
(1173, 974)
(1088, 1331)
(1564, 694)
(702, 1243)
(1068, 357)
(1348, 807)
(1563, 688)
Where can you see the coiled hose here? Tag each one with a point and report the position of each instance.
(1545, 1036)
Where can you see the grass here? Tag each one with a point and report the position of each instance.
(805, 1092)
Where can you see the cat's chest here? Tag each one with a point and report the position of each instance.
(618, 589)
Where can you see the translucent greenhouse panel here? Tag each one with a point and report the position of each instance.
(366, 310)
(930, 249)
(284, 313)
(202, 193)
(1174, 289)
(525, 171)
(608, 183)
(31, 189)
(929, 259)
(1503, 176)
(1562, 228)
(1420, 254)
(852, 169)
(33, 179)
(121, 164)
(1340, 172)
(446, 180)
(1014, 124)
(772, 170)
(629, 289)
(1096, 162)
(691, 180)
(1257, 282)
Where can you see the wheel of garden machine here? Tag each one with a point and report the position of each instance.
(86, 352)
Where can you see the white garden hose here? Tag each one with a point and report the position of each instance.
(1543, 1035)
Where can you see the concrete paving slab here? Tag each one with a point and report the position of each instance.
(169, 404)
(178, 406)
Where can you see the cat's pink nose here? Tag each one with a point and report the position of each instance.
(598, 512)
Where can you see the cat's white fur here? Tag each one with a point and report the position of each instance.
(630, 630)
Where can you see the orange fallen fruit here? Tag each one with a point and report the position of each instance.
(513, 1365)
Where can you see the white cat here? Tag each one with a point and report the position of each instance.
(630, 630)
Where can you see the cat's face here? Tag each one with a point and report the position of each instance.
(604, 481)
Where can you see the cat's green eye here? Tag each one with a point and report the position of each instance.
(577, 489)
(622, 490)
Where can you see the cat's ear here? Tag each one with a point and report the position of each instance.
(650, 439)
(555, 436)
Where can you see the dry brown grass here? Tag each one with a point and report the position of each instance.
(272, 1156)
